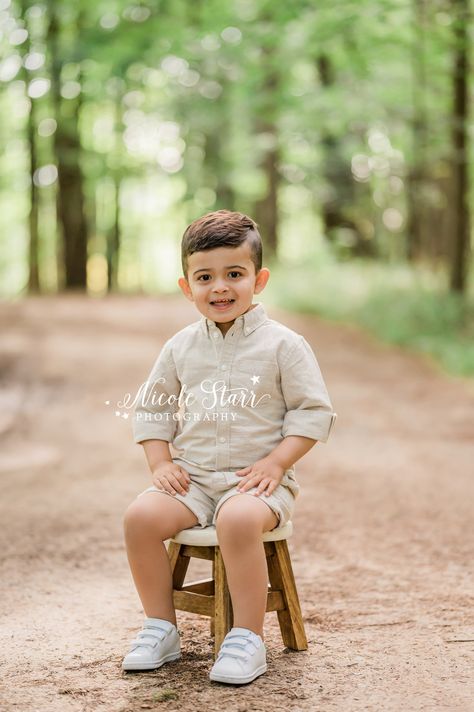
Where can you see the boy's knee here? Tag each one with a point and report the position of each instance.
(131, 515)
(236, 515)
(139, 517)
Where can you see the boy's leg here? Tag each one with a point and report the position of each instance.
(239, 523)
(149, 520)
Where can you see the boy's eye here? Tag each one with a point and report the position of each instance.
(206, 277)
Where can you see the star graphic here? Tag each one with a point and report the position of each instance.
(125, 415)
(117, 412)
(255, 379)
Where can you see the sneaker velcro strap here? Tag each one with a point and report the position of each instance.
(234, 649)
(238, 641)
(238, 636)
(149, 633)
(142, 644)
(153, 630)
(234, 654)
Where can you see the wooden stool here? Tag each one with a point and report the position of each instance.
(211, 597)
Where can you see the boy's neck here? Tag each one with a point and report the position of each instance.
(224, 328)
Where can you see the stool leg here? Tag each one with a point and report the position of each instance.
(281, 577)
(223, 615)
(213, 576)
(179, 564)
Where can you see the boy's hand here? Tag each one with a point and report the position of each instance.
(265, 474)
(169, 477)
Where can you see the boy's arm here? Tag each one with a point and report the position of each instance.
(157, 404)
(309, 417)
(156, 452)
(309, 411)
(154, 427)
(267, 473)
(165, 474)
(291, 449)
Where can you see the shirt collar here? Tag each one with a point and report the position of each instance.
(249, 321)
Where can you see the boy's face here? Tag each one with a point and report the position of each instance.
(222, 282)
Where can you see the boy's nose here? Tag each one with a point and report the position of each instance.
(220, 286)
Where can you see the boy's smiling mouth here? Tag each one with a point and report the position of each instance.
(222, 303)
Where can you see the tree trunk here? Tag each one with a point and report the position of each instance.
(113, 241)
(70, 196)
(461, 234)
(339, 181)
(417, 176)
(217, 169)
(33, 261)
(266, 209)
(33, 227)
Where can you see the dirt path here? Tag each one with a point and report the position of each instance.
(383, 546)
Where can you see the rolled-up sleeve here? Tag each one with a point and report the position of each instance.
(158, 401)
(309, 410)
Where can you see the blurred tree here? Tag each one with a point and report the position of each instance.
(419, 163)
(340, 193)
(267, 115)
(31, 133)
(460, 146)
(335, 115)
(113, 235)
(64, 32)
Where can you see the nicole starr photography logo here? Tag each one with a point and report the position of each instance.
(202, 402)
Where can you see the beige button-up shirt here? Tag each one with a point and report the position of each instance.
(225, 402)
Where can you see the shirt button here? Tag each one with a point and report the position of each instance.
(223, 367)
(215, 335)
(222, 440)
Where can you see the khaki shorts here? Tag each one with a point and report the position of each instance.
(209, 490)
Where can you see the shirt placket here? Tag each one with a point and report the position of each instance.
(224, 421)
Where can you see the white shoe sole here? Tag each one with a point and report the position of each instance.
(237, 680)
(153, 665)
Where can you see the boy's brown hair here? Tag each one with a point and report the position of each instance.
(222, 228)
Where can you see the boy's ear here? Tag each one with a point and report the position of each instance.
(261, 280)
(185, 288)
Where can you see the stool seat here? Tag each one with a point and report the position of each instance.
(211, 597)
(207, 536)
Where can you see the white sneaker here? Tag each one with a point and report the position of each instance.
(157, 643)
(241, 658)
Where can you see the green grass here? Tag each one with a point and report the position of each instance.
(399, 304)
(165, 695)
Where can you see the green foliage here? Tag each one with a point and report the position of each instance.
(178, 104)
(399, 304)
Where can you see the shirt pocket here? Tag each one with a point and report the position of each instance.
(257, 380)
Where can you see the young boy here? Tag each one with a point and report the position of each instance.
(241, 399)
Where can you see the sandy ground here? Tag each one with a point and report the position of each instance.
(383, 546)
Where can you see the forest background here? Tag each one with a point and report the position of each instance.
(344, 128)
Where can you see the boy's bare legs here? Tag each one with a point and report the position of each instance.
(240, 523)
(148, 522)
